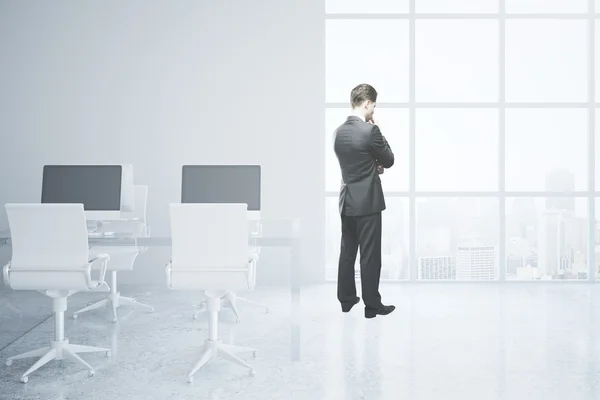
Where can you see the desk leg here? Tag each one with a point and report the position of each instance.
(296, 307)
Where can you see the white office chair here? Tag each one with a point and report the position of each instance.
(231, 299)
(50, 255)
(211, 253)
(122, 258)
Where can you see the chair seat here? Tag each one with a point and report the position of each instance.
(217, 278)
(122, 258)
(75, 281)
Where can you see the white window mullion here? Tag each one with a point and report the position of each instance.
(502, 142)
(412, 217)
(591, 140)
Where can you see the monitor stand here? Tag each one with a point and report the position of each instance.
(93, 225)
(255, 223)
(94, 219)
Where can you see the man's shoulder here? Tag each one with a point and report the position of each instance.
(355, 124)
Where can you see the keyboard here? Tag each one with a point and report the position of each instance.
(100, 234)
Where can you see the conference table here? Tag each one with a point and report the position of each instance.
(284, 232)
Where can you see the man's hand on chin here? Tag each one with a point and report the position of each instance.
(380, 169)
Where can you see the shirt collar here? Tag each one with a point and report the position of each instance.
(355, 114)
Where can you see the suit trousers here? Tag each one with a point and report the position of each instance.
(365, 232)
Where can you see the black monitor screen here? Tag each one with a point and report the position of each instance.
(97, 187)
(221, 184)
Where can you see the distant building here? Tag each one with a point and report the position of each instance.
(560, 180)
(476, 262)
(561, 237)
(531, 260)
(527, 273)
(513, 263)
(437, 267)
(549, 238)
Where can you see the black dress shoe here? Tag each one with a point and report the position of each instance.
(346, 307)
(373, 312)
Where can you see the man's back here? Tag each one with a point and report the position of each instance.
(359, 147)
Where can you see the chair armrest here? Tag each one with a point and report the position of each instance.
(5, 270)
(168, 273)
(145, 232)
(99, 257)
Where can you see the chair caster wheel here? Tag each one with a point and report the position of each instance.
(254, 354)
(108, 353)
(91, 373)
(190, 379)
(267, 311)
(115, 320)
(252, 372)
(9, 363)
(74, 316)
(24, 379)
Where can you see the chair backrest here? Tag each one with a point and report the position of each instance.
(208, 236)
(141, 200)
(48, 235)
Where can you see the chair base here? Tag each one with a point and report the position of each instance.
(114, 300)
(58, 350)
(215, 348)
(231, 301)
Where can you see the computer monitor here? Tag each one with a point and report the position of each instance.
(127, 188)
(104, 190)
(222, 184)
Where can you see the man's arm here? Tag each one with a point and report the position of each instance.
(380, 149)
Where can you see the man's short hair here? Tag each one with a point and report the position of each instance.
(362, 93)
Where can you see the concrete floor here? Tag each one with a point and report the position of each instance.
(445, 341)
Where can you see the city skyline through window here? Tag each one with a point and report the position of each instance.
(490, 108)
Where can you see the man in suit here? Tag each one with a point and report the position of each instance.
(363, 153)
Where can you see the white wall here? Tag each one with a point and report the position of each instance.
(161, 84)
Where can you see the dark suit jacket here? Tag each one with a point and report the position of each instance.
(359, 147)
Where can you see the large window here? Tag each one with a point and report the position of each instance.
(490, 107)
